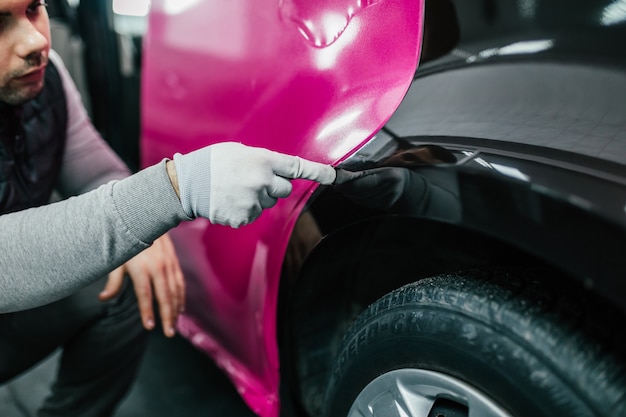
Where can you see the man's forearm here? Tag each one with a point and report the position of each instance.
(49, 252)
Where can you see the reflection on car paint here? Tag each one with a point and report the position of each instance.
(517, 48)
(396, 186)
(390, 177)
(321, 23)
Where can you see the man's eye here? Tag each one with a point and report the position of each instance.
(35, 5)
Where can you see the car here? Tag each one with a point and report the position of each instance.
(468, 261)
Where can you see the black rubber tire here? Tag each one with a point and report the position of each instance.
(534, 350)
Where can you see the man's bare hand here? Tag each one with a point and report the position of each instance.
(156, 271)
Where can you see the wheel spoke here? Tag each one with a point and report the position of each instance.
(413, 393)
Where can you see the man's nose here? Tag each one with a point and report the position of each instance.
(30, 40)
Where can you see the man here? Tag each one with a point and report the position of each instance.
(56, 252)
(100, 333)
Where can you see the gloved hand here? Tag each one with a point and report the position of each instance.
(230, 183)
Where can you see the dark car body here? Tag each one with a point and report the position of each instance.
(530, 103)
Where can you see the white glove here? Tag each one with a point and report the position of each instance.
(230, 183)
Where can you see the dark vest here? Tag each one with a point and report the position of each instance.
(32, 141)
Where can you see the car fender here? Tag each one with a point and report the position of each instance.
(312, 79)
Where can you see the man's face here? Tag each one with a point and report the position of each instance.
(24, 48)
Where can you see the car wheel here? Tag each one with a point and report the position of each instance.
(481, 344)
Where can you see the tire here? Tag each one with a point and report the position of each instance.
(484, 343)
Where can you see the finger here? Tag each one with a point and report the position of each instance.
(266, 201)
(113, 285)
(253, 214)
(167, 309)
(295, 167)
(280, 188)
(167, 273)
(143, 291)
(177, 288)
(177, 281)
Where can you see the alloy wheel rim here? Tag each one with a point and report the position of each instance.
(414, 393)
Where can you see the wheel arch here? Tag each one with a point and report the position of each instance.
(363, 256)
(327, 296)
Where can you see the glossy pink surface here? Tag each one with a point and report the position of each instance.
(312, 78)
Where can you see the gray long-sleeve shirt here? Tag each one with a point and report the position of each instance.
(49, 252)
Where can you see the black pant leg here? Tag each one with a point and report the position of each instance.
(99, 365)
(27, 337)
(102, 345)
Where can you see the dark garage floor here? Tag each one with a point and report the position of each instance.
(175, 380)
